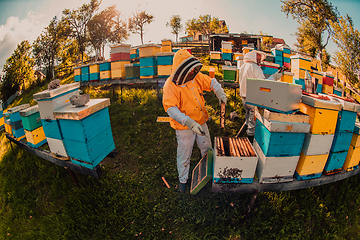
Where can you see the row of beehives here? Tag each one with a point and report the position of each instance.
(80, 134)
(301, 136)
(126, 62)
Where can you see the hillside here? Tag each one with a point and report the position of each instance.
(40, 200)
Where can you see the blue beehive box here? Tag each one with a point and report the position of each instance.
(105, 66)
(85, 77)
(165, 58)
(77, 78)
(318, 88)
(148, 71)
(148, 62)
(94, 76)
(301, 82)
(51, 128)
(86, 132)
(18, 133)
(85, 70)
(287, 60)
(14, 113)
(226, 56)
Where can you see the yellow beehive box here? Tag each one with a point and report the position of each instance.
(133, 50)
(120, 65)
(118, 73)
(215, 55)
(287, 77)
(36, 136)
(166, 49)
(352, 158)
(244, 42)
(298, 61)
(237, 54)
(355, 141)
(77, 71)
(105, 74)
(2, 122)
(8, 129)
(312, 164)
(225, 50)
(318, 75)
(166, 42)
(247, 49)
(298, 72)
(286, 55)
(327, 89)
(164, 70)
(322, 121)
(94, 68)
(149, 50)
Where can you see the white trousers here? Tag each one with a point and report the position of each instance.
(185, 139)
(249, 117)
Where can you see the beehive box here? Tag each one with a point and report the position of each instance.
(238, 56)
(148, 72)
(273, 95)
(132, 71)
(164, 70)
(224, 50)
(318, 75)
(57, 146)
(226, 56)
(215, 55)
(51, 128)
(269, 68)
(235, 161)
(148, 62)
(280, 139)
(77, 71)
(36, 137)
(105, 75)
(164, 58)
(94, 76)
(338, 91)
(298, 72)
(317, 144)
(120, 48)
(134, 52)
(94, 68)
(30, 118)
(118, 69)
(50, 100)
(355, 140)
(327, 89)
(335, 162)
(287, 77)
(275, 169)
(120, 56)
(105, 66)
(323, 114)
(229, 73)
(226, 45)
(148, 50)
(87, 132)
(352, 159)
(310, 166)
(202, 172)
(14, 113)
(328, 79)
(85, 75)
(166, 46)
(2, 121)
(298, 61)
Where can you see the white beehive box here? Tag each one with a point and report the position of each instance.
(317, 144)
(57, 146)
(277, 96)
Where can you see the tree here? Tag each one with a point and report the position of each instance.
(138, 22)
(18, 70)
(78, 20)
(205, 25)
(347, 38)
(106, 27)
(47, 46)
(175, 24)
(314, 17)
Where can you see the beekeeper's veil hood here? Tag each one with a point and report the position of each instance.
(185, 67)
(251, 56)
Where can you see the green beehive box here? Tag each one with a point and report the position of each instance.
(30, 118)
(132, 71)
(229, 73)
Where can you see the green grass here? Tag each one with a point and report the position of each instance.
(39, 200)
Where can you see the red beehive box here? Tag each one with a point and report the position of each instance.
(120, 56)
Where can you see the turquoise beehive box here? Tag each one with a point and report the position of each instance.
(30, 118)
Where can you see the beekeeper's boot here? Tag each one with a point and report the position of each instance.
(182, 187)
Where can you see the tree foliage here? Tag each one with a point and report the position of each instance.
(137, 23)
(347, 39)
(205, 25)
(78, 20)
(314, 17)
(106, 27)
(18, 70)
(175, 24)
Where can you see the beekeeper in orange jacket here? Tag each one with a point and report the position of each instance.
(251, 69)
(184, 102)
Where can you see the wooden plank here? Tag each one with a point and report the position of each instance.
(163, 119)
(202, 173)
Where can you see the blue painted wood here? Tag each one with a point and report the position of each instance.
(306, 177)
(89, 151)
(346, 121)
(38, 144)
(226, 56)
(134, 55)
(278, 144)
(268, 70)
(233, 180)
(339, 93)
(301, 82)
(18, 132)
(85, 70)
(87, 128)
(287, 60)
(286, 50)
(94, 76)
(105, 66)
(77, 78)
(52, 128)
(277, 52)
(341, 141)
(148, 62)
(14, 117)
(319, 88)
(273, 109)
(165, 60)
(279, 58)
(281, 63)
(85, 77)
(335, 161)
(148, 71)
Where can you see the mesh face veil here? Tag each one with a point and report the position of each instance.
(187, 71)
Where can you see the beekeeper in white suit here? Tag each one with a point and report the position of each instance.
(184, 102)
(251, 69)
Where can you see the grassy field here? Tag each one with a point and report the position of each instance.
(39, 200)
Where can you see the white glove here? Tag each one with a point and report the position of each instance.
(221, 96)
(276, 76)
(194, 126)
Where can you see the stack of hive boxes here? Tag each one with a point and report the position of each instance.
(166, 46)
(120, 55)
(77, 74)
(105, 70)
(315, 151)
(48, 102)
(85, 76)
(234, 161)
(15, 121)
(244, 43)
(353, 157)
(164, 63)
(299, 66)
(7, 123)
(278, 142)
(318, 79)
(286, 56)
(343, 134)
(278, 56)
(94, 72)
(226, 50)
(238, 56)
(34, 131)
(328, 83)
(86, 132)
(134, 53)
(148, 63)
(2, 121)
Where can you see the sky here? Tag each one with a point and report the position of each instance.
(26, 19)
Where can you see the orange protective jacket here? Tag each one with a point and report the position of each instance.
(187, 97)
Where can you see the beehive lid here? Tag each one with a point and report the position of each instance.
(288, 73)
(150, 45)
(300, 57)
(282, 117)
(77, 113)
(57, 91)
(320, 103)
(346, 105)
(165, 54)
(229, 68)
(121, 45)
(29, 111)
(330, 75)
(270, 64)
(18, 108)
